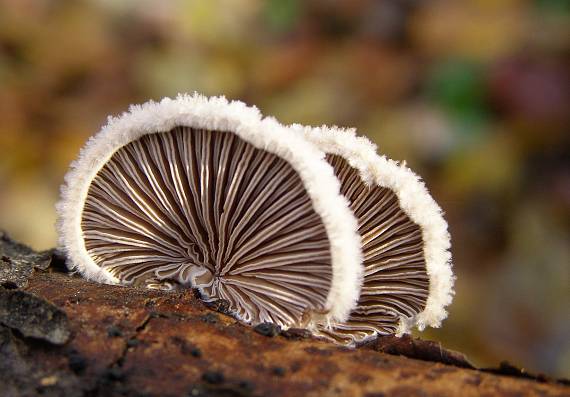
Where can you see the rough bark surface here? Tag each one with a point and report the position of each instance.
(62, 335)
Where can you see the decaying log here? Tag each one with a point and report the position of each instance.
(61, 335)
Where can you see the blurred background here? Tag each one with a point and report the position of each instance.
(473, 94)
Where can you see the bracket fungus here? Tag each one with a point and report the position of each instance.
(205, 193)
(405, 243)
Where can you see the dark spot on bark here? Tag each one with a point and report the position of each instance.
(246, 386)
(420, 349)
(279, 371)
(220, 305)
(114, 374)
(9, 285)
(506, 368)
(133, 342)
(209, 390)
(317, 351)
(150, 302)
(76, 362)
(268, 329)
(185, 347)
(114, 331)
(210, 318)
(297, 365)
(213, 377)
(197, 294)
(296, 333)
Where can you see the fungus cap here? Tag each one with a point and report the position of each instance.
(399, 221)
(204, 191)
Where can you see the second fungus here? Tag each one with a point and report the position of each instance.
(405, 244)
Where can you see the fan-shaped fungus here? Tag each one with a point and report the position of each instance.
(204, 192)
(407, 271)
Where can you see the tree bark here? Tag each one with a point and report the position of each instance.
(130, 342)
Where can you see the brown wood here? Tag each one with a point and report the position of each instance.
(133, 342)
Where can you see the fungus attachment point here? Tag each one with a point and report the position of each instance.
(203, 193)
(407, 273)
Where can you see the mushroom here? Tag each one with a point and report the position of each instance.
(205, 193)
(408, 279)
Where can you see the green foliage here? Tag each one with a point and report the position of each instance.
(282, 15)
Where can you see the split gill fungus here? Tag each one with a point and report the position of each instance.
(296, 226)
(408, 279)
(204, 193)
